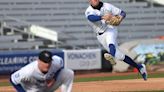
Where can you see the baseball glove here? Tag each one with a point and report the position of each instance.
(115, 21)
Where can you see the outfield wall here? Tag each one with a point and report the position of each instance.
(13, 60)
(86, 59)
(75, 59)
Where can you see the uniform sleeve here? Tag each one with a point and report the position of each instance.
(89, 12)
(61, 63)
(91, 16)
(18, 76)
(58, 61)
(114, 10)
(58, 64)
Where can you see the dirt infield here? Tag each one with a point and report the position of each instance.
(120, 85)
(112, 86)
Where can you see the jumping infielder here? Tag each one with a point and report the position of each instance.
(104, 17)
(43, 75)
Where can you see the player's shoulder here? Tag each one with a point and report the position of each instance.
(89, 8)
(55, 57)
(57, 60)
(107, 4)
(28, 69)
(30, 65)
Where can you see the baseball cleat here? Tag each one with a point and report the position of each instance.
(110, 58)
(143, 72)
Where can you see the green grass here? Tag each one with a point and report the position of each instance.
(5, 84)
(118, 77)
(106, 78)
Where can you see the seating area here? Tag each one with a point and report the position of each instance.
(10, 38)
(15, 39)
(21, 45)
(144, 21)
(18, 42)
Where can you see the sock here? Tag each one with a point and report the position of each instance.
(129, 61)
(112, 49)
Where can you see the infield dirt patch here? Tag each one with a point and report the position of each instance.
(120, 85)
(112, 86)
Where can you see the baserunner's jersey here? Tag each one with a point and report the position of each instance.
(101, 26)
(32, 79)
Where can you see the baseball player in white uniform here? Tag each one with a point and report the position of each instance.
(104, 18)
(43, 75)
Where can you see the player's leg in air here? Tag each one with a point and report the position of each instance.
(111, 55)
(110, 45)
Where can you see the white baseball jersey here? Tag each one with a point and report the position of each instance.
(101, 26)
(109, 32)
(32, 79)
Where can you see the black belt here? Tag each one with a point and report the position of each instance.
(100, 33)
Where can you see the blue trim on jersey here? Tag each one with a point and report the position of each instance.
(94, 18)
(123, 14)
(18, 87)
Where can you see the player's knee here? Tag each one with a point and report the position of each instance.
(71, 73)
(120, 56)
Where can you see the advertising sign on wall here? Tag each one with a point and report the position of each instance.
(83, 59)
(12, 61)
